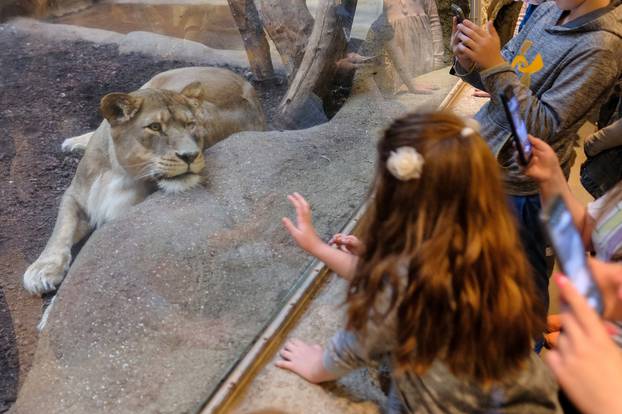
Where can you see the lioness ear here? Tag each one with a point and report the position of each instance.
(119, 107)
(193, 91)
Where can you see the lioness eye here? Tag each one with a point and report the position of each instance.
(155, 127)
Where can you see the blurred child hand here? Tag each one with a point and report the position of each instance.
(586, 362)
(303, 232)
(304, 360)
(553, 329)
(544, 166)
(348, 243)
(458, 51)
(481, 45)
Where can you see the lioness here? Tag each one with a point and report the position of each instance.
(151, 138)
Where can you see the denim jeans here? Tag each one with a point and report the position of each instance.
(527, 210)
(601, 172)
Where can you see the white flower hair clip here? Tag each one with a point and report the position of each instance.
(472, 126)
(405, 163)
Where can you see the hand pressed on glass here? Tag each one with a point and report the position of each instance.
(477, 45)
(304, 360)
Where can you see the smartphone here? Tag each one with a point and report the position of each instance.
(458, 12)
(569, 249)
(517, 125)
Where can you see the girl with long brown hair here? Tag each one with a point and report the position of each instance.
(441, 285)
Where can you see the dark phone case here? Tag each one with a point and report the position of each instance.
(458, 12)
(545, 216)
(522, 159)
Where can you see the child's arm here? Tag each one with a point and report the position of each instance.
(584, 78)
(463, 67)
(340, 262)
(544, 168)
(345, 352)
(604, 139)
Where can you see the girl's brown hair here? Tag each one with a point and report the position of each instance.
(446, 246)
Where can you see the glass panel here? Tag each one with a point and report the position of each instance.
(174, 286)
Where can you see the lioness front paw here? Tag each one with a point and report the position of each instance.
(73, 145)
(45, 274)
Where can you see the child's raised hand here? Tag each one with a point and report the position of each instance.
(586, 362)
(348, 243)
(457, 50)
(304, 360)
(303, 232)
(480, 45)
(544, 165)
(553, 329)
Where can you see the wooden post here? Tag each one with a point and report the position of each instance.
(289, 26)
(247, 19)
(326, 45)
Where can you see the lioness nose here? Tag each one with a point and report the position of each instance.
(187, 157)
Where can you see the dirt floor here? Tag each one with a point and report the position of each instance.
(49, 91)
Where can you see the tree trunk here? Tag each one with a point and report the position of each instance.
(247, 19)
(326, 45)
(289, 26)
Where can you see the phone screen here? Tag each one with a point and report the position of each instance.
(570, 251)
(519, 127)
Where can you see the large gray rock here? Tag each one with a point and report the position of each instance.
(161, 303)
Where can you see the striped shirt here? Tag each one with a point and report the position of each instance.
(607, 234)
(607, 239)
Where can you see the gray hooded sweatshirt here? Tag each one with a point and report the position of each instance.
(561, 75)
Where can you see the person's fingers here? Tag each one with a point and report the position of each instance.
(286, 354)
(611, 328)
(563, 345)
(290, 345)
(554, 361)
(304, 206)
(465, 51)
(300, 214)
(467, 41)
(301, 199)
(468, 32)
(537, 142)
(584, 314)
(551, 339)
(553, 323)
(289, 226)
(335, 239)
(492, 30)
(294, 200)
(572, 329)
(475, 29)
(281, 363)
(344, 249)
(296, 343)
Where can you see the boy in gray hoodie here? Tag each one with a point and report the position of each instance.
(562, 66)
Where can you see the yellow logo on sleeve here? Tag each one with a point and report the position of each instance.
(522, 65)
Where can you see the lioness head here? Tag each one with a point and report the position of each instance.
(157, 135)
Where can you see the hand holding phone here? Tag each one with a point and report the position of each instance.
(517, 125)
(569, 249)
